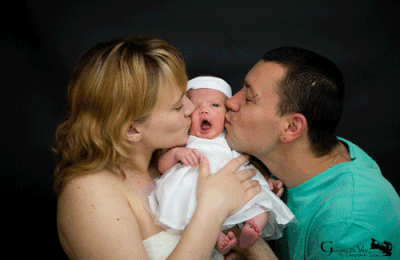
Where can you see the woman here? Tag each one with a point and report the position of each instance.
(127, 100)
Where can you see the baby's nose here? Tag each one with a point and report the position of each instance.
(204, 110)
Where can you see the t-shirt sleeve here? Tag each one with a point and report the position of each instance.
(347, 240)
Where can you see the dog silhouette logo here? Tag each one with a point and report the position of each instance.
(385, 247)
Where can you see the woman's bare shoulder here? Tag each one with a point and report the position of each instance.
(94, 209)
(91, 189)
(91, 182)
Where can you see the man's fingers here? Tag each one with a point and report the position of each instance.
(271, 185)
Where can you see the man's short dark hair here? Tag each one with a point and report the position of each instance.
(314, 87)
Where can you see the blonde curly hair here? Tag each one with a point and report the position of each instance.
(114, 84)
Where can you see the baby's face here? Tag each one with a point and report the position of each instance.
(209, 112)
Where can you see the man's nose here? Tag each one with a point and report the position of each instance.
(233, 102)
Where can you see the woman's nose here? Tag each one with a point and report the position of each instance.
(188, 107)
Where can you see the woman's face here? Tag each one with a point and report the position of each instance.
(169, 123)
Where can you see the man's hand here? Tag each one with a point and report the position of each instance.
(276, 186)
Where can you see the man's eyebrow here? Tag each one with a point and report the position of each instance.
(247, 85)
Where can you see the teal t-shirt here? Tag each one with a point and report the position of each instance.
(348, 211)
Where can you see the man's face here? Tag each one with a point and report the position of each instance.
(252, 123)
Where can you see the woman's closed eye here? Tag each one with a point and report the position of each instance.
(179, 107)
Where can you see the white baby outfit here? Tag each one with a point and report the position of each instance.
(173, 202)
(161, 245)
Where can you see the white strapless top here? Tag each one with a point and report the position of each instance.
(161, 245)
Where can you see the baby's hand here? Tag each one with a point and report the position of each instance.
(276, 186)
(189, 157)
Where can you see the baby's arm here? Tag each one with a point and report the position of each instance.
(189, 157)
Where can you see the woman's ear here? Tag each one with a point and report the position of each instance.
(296, 124)
(134, 133)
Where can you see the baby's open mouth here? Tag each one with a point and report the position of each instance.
(205, 125)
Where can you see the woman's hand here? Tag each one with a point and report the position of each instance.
(218, 196)
(226, 191)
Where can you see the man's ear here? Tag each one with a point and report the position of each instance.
(134, 133)
(296, 124)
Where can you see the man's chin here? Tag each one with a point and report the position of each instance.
(229, 141)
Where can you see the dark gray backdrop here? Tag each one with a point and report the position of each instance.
(41, 40)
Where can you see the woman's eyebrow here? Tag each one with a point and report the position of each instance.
(179, 100)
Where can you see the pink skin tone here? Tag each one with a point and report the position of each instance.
(208, 122)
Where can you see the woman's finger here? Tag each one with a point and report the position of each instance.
(246, 174)
(248, 184)
(204, 168)
(235, 163)
(252, 192)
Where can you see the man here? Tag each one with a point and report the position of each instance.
(286, 115)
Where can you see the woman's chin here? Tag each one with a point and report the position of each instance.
(184, 140)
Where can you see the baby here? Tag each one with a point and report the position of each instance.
(174, 200)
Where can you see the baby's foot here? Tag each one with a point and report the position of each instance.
(226, 242)
(250, 234)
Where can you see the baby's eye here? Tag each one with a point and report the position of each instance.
(215, 105)
(179, 108)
